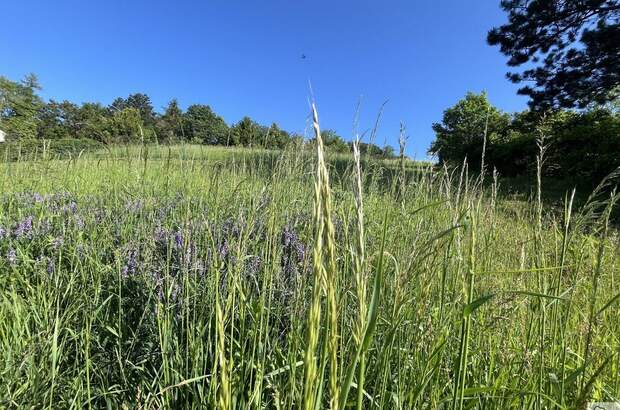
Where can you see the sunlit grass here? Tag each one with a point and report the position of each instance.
(195, 277)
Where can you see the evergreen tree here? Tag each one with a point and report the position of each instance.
(170, 125)
(572, 47)
(246, 133)
(142, 103)
(19, 106)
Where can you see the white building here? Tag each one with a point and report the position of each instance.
(2, 136)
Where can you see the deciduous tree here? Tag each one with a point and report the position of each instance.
(461, 132)
(203, 125)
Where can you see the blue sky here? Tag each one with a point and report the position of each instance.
(244, 58)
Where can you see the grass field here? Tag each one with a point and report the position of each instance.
(199, 277)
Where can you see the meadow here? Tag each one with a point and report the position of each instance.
(204, 277)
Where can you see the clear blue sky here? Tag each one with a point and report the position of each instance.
(244, 58)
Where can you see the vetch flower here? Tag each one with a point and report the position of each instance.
(253, 265)
(80, 251)
(79, 222)
(131, 263)
(11, 257)
(23, 229)
(50, 266)
(134, 206)
(293, 252)
(71, 207)
(58, 242)
(45, 226)
(178, 239)
(222, 250)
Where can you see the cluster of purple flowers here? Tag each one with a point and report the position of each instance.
(253, 266)
(50, 265)
(23, 229)
(53, 201)
(11, 257)
(176, 248)
(29, 198)
(234, 244)
(232, 228)
(131, 263)
(70, 208)
(37, 233)
(293, 253)
(178, 239)
(57, 242)
(134, 205)
(168, 240)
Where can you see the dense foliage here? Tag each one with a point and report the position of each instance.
(571, 49)
(583, 145)
(26, 117)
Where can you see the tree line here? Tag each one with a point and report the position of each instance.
(25, 116)
(581, 144)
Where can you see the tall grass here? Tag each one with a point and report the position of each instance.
(184, 277)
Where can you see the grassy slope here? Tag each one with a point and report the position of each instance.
(113, 300)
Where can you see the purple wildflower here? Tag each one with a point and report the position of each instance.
(3, 233)
(133, 206)
(71, 207)
(231, 228)
(23, 228)
(79, 222)
(58, 242)
(222, 250)
(11, 256)
(293, 252)
(160, 235)
(199, 268)
(45, 226)
(79, 249)
(131, 263)
(301, 251)
(178, 239)
(253, 265)
(50, 266)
